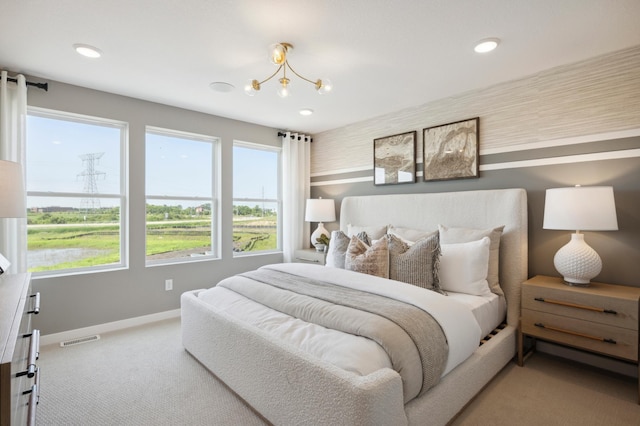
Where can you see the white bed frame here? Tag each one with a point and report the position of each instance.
(289, 387)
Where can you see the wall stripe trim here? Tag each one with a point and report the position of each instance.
(341, 181)
(340, 171)
(567, 159)
(614, 155)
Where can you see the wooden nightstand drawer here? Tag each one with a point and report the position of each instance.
(599, 304)
(310, 256)
(601, 318)
(597, 337)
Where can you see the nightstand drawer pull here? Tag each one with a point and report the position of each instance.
(574, 305)
(588, 336)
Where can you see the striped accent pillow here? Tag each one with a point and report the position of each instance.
(418, 264)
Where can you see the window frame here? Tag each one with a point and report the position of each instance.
(123, 196)
(278, 201)
(214, 199)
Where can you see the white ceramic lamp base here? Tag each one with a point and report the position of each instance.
(577, 261)
(320, 230)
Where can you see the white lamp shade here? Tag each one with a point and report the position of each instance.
(320, 210)
(12, 195)
(581, 208)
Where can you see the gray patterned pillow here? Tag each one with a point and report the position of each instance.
(372, 260)
(338, 245)
(418, 264)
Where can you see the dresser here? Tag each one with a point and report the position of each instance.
(601, 318)
(19, 348)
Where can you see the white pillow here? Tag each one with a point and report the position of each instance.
(464, 267)
(464, 235)
(408, 235)
(373, 232)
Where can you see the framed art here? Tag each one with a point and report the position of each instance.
(394, 159)
(450, 150)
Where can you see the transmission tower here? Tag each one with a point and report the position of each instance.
(90, 176)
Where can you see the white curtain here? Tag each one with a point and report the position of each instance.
(13, 116)
(296, 155)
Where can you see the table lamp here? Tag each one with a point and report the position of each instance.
(580, 208)
(320, 210)
(12, 199)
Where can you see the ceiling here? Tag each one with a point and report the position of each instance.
(381, 55)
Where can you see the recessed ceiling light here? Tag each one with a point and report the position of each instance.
(306, 111)
(87, 51)
(221, 86)
(486, 45)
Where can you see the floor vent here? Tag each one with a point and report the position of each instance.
(80, 340)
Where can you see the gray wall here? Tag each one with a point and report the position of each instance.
(577, 124)
(76, 301)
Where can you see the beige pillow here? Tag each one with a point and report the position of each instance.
(465, 235)
(372, 260)
(416, 264)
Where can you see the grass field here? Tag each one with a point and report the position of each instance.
(166, 239)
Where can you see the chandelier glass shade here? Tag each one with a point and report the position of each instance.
(278, 56)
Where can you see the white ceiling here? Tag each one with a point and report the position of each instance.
(381, 55)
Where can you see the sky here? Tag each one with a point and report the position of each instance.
(60, 154)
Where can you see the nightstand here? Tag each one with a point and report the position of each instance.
(310, 255)
(600, 318)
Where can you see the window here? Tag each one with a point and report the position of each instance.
(257, 201)
(76, 196)
(181, 196)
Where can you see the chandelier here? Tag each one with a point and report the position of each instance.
(278, 56)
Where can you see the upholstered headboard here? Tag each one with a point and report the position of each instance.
(469, 209)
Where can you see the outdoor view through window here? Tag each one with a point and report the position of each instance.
(76, 197)
(74, 192)
(256, 198)
(180, 208)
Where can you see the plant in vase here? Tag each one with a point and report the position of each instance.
(322, 242)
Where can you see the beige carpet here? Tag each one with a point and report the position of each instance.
(143, 376)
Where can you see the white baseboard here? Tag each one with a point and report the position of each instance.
(56, 338)
(594, 360)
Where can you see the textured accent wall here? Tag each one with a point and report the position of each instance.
(576, 124)
(590, 97)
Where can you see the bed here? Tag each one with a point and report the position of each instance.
(289, 384)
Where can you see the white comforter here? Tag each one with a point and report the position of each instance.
(352, 353)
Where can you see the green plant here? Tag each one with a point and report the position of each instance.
(323, 239)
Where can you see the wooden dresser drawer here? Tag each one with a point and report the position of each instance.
(19, 348)
(597, 337)
(600, 304)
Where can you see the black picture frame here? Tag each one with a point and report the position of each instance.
(394, 159)
(451, 151)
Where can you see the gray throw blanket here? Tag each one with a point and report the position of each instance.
(399, 328)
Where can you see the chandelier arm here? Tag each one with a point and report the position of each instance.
(272, 75)
(294, 71)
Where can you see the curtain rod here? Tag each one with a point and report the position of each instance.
(299, 137)
(43, 86)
